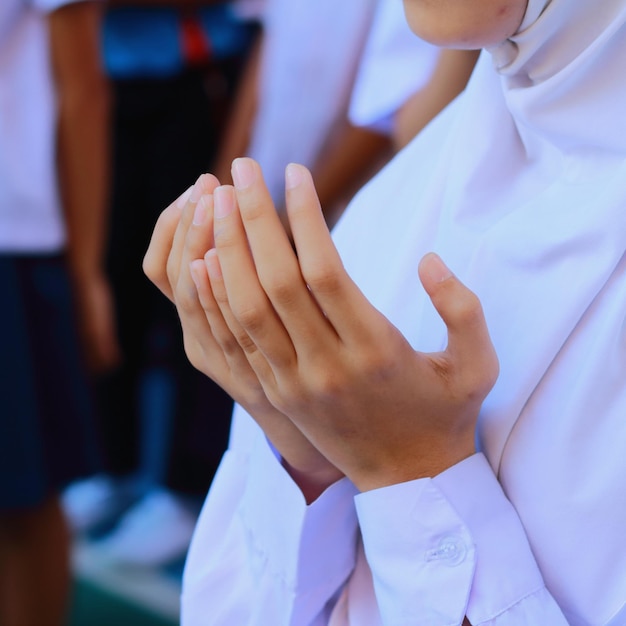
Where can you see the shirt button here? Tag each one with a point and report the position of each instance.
(451, 551)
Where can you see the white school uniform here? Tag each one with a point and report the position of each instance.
(311, 50)
(394, 66)
(519, 186)
(30, 212)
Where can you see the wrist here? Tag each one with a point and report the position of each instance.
(312, 482)
(420, 466)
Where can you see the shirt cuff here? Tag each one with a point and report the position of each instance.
(445, 547)
(311, 549)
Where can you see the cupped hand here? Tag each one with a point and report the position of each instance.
(376, 408)
(178, 261)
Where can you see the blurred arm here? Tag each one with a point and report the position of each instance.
(236, 137)
(350, 159)
(448, 80)
(83, 158)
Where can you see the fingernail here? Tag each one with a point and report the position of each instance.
(212, 263)
(243, 172)
(196, 192)
(194, 268)
(182, 199)
(223, 201)
(436, 269)
(293, 176)
(201, 211)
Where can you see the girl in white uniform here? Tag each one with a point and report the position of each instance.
(384, 469)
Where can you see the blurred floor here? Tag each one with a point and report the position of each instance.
(106, 594)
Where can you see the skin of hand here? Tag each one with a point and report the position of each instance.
(83, 170)
(377, 409)
(176, 265)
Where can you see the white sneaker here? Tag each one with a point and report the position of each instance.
(90, 502)
(155, 531)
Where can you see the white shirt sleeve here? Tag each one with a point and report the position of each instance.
(260, 555)
(452, 546)
(432, 552)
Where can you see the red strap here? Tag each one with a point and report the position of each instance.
(196, 48)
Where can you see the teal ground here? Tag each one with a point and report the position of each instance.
(109, 595)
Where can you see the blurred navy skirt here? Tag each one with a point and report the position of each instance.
(47, 425)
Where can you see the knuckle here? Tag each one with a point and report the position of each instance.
(186, 299)
(246, 343)
(287, 399)
(379, 358)
(473, 386)
(482, 379)
(225, 238)
(221, 298)
(194, 351)
(251, 206)
(229, 345)
(150, 268)
(322, 279)
(250, 317)
(282, 289)
(468, 310)
(327, 384)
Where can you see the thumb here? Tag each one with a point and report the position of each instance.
(469, 344)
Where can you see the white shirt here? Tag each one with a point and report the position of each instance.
(30, 213)
(311, 51)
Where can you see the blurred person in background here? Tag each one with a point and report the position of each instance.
(293, 101)
(173, 67)
(339, 88)
(56, 317)
(402, 80)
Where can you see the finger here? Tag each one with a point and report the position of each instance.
(243, 294)
(276, 264)
(198, 240)
(469, 343)
(205, 184)
(320, 263)
(228, 332)
(157, 254)
(219, 335)
(206, 295)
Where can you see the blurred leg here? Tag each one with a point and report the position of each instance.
(35, 573)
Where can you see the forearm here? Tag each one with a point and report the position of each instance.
(236, 137)
(83, 133)
(449, 78)
(352, 156)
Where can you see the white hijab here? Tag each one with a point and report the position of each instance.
(520, 186)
